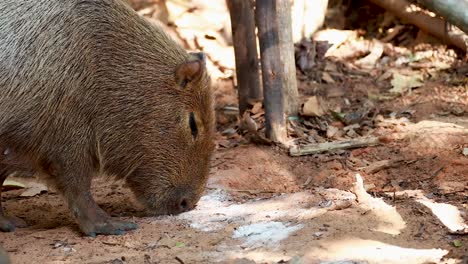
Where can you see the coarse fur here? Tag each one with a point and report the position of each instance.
(88, 87)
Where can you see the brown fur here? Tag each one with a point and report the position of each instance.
(88, 87)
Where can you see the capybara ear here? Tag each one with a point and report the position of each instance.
(191, 70)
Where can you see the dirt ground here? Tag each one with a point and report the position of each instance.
(264, 206)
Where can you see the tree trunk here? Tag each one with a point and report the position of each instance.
(286, 45)
(245, 49)
(272, 68)
(431, 25)
(455, 11)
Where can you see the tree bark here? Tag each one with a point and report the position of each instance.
(455, 11)
(245, 49)
(286, 45)
(272, 68)
(431, 25)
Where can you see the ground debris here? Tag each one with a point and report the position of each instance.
(332, 146)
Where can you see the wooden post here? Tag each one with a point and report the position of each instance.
(286, 44)
(273, 19)
(245, 49)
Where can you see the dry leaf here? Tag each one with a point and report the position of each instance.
(402, 83)
(370, 60)
(34, 189)
(248, 123)
(332, 131)
(327, 78)
(12, 185)
(313, 107)
(257, 108)
(386, 75)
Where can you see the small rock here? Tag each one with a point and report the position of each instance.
(465, 151)
(152, 245)
(319, 234)
(326, 204)
(353, 118)
(58, 244)
(69, 250)
(430, 195)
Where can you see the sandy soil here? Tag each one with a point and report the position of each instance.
(263, 206)
(288, 203)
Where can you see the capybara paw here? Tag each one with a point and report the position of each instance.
(110, 227)
(10, 223)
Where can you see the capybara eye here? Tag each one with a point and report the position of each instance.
(193, 125)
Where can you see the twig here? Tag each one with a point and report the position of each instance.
(382, 164)
(330, 146)
(179, 260)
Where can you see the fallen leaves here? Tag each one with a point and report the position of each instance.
(31, 188)
(404, 83)
(12, 185)
(457, 243)
(314, 106)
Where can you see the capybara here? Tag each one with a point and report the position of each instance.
(88, 87)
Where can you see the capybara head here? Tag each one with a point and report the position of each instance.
(173, 175)
(162, 99)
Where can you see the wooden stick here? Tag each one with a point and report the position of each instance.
(245, 49)
(330, 146)
(381, 165)
(273, 19)
(272, 69)
(286, 44)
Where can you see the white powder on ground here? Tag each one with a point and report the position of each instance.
(264, 233)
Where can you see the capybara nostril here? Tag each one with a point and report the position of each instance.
(183, 205)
